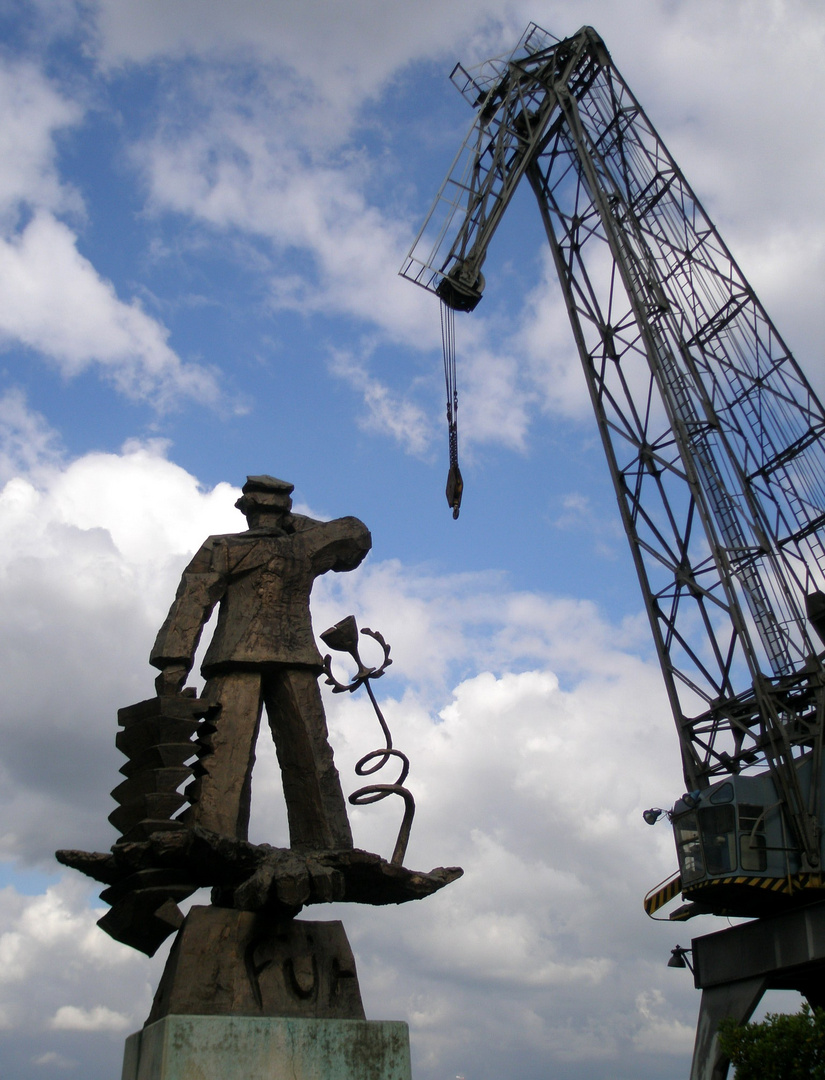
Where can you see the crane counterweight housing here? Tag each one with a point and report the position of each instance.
(713, 438)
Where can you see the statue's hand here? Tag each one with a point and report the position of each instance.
(171, 679)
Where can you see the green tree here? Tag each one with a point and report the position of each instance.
(781, 1047)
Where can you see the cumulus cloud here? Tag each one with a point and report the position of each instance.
(91, 555)
(99, 1018)
(553, 365)
(221, 160)
(27, 441)
(311, 187)
(344, 54)
(52, 299)
(33, 112)
(62, 978)
(534, 780)
(384, 412)
(51, 1059)
(661, 1034)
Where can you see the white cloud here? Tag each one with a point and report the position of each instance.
(231, 174)
(46, 942)
(98, 1018)
(385, 412)
(345, 53)
(54, 921)
(51, 1059)
(661, 1034)
(91, 555)
(58, 968)
(221, 160)
(553, 365)
(307, 185)
(52, 300)
(32, 112)
(27, 442)
(152, 509)
(494, 405)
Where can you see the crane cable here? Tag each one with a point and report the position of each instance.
(455, 484)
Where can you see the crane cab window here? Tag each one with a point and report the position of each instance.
(706, 842)
(717, 825)
(723, 794)
(689, 848)
(752, 847)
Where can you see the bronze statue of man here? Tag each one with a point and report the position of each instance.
(263, 653)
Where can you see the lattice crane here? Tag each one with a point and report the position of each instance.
(713, 438)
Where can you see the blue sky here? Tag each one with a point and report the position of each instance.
(203, 208)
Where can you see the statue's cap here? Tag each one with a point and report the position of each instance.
(269, 484)
(265, 491)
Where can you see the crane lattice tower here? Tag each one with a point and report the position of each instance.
(713, 438)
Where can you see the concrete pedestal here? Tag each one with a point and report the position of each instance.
(268, 1048)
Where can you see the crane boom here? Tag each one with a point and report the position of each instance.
(712, 434)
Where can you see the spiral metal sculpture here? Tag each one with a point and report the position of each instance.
(343, 637)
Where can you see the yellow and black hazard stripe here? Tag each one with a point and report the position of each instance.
(668, 890)
(771, 884)
(663, 894)
(791, 884)
(808, 881)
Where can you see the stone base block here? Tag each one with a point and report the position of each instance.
(268, 1048)
(239, 963)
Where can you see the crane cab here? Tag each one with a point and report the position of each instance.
(737, 855)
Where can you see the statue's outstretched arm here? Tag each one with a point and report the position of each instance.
(342, 544)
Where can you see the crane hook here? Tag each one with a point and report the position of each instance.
(455, 488)
(455, 482)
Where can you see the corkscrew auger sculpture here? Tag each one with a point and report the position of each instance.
(343, 637)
